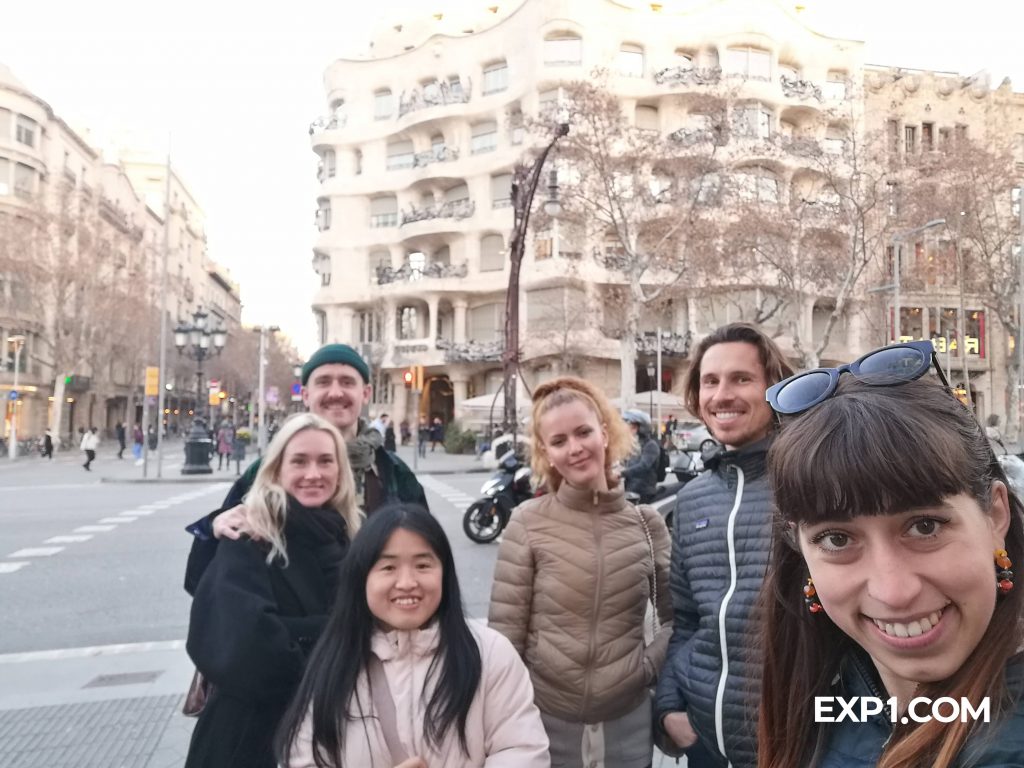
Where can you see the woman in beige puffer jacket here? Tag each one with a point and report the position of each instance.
(574, 578)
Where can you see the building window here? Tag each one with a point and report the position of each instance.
(384, 212)
(835, 88)
(1015, 201)
(927, 137)
(910, 139)
(5, 176)
(961, 134)
(945, 136)
(495, 77)
(753, 121)
(892, 135)
(646, 118)
(517, 131)
(501, 190)
(893, 190)
(408, 323)
(24, 180)
(751, 63)
(416, 260)
(483, 323)
(484, 137)
(835, 140)
(455, 88)
(400, 155)
(563, 48)
(383, 104)
(330, 163)
(706, 189)
(379, 260)
(757, 184)
(26, 131)
(630, 61)
(492, 253)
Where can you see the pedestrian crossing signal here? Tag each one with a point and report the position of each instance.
(408, 378)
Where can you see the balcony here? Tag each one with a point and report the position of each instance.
(454, 209)
(684, 75)
(689, 137)
(405, 272)
(799, 89)
(327, 123)
(471, 351)
(672, 344)
(437, 93)
(439, 155)
(113, 214)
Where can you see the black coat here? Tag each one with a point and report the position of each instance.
(251, 630)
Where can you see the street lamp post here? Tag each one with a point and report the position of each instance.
(650, 395)
(525, 180)
(12, 443)
(261, 395)
(194, 341)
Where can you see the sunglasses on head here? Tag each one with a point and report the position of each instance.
(885, 367)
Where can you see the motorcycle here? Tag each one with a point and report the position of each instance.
(507, 488)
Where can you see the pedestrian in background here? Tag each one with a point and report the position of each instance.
(708, 689)
(890, 574)
(422, 437)
(436, 433)
(576, 572)
(122, 434)
(90, 443)
(260, 605)
(389, 438)
(640, 472)
(399, 676)
(137, 438)
(404, 432)
(225, 443)
(48, 444)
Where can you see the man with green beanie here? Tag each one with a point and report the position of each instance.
(336, 386)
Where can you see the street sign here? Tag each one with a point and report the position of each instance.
(152, 381)
(13, 395)
(296, 388)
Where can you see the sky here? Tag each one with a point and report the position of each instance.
(231, 90)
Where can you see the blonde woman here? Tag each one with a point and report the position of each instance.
(261, 604)
(576, 570)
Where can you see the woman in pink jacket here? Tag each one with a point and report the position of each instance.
(399, 678)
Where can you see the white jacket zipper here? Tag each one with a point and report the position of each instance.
(730, 539)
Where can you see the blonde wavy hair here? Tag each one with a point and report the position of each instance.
(267, 501)
(569, 389)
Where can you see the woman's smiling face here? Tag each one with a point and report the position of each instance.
(916, 589)
(575, 443)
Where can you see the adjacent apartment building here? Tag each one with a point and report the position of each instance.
(422, 132)
(81, 255)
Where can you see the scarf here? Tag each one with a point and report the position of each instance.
(361, 451)
(324, 531)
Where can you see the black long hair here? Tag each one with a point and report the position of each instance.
(341, 655)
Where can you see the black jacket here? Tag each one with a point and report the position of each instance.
(641, 473)
(720, 544)
(251, 629)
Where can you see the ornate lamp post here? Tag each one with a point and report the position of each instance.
(525, 181)
(650, 395)
(198, 342)
(12, 439)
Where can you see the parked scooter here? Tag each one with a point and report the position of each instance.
(507, 488)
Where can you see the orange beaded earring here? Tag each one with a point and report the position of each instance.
(1004, 576)
(811, 597)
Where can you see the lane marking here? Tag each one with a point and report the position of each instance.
(91, 651)
(138, 512)
(37, 552)
(94, 528)
(11, 567)
(68, 539)
(118, 519)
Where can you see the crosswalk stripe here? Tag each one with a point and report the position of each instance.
(36, 552)
(12, 567)
(68, 539)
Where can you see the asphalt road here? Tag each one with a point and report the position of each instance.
(86, 563)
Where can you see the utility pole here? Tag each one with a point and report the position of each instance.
(161, 402)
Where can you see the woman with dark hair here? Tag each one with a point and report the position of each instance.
(890, 575)
(399, 677)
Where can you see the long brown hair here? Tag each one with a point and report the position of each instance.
(776, 367)
(569, 389)
(873, 451)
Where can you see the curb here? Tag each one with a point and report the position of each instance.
(165, 480)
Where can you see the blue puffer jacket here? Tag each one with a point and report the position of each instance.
(859, 745)
(720, 544)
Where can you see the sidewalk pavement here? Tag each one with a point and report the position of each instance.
(441, 463)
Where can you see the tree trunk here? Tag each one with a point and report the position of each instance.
(627, 371)
(961, 323)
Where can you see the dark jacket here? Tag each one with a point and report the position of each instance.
(397, 483)
(720, 543)
(251, 630)
(641, 473)
(999, 744)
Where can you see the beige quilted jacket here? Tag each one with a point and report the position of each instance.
(570, 589)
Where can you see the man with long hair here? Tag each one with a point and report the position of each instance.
(335, 385)
(706, 699)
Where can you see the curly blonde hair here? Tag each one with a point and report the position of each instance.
(569, 389)
(267, 501)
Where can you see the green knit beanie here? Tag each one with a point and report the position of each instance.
(335, 353)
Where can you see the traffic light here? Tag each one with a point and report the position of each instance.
(407, 377)
(222, 395)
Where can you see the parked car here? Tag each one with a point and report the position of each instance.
(693, 437)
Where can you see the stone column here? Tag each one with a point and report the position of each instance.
(434, 303)
(460, 387)
(343, 331)
(460, 306)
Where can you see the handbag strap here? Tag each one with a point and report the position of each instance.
(385, 706)
(654, 567)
